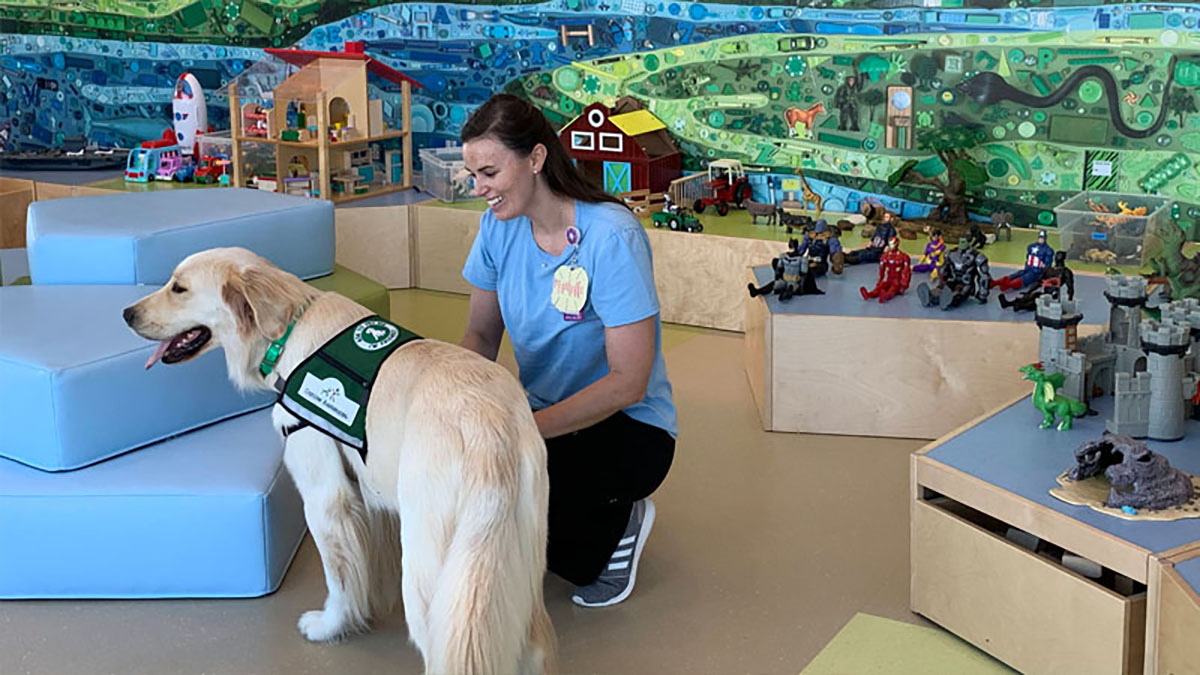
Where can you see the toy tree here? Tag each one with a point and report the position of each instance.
(1181, 102)
(872, 98)
(950, 144)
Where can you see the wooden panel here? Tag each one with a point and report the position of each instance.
(1089, 542)
(374, 241)
(757, 347)
(1023, 609)
(48, 191)
(932, 377)
(925, 379)
(1173, 624)
(15, 197)
(700, 279)
(443, 237)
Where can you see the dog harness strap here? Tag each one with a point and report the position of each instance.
(330, 389)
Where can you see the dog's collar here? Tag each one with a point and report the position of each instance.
(276, 347)
(272, 356)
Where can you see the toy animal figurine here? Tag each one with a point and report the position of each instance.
(884, 232)
(757, 211)
(1100, 255)
(964, 275)
(792, 221)
(805, 117)
(934, 256)
(823, 247)
(1037, 256)
(1056, 278)
(1141, 478)
(895, 273)
(792, 276)
(1048, 402)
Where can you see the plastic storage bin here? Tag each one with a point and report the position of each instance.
(1112, 228)
(438, 168)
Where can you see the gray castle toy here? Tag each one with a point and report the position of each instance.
(1149, 367)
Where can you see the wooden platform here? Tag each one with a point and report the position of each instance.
(1024, 606)
(694, 273)
(836, 364)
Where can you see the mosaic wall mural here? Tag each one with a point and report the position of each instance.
(1048, 98)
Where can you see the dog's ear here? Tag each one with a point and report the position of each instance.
(261, 301)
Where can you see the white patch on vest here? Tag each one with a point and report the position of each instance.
(329, 395)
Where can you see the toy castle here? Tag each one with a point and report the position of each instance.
(1151, 368)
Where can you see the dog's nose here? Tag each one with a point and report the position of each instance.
(130, 315)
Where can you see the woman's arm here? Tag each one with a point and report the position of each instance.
(485, 324)
(630, 350)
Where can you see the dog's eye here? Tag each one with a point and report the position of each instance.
(176, 288)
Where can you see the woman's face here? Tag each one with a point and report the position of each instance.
(505, 179)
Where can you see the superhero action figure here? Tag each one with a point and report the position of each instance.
(1037, 256)
(792, 276)
(884, 232)
(822, 247)
(1055, 278)
(895, 272)
(964, 274)
(934, 256)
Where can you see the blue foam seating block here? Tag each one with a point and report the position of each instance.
(73, 384)
(211, 513)
(139, 237)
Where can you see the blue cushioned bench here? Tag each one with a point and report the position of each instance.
(139, 237)
(73, 384)
(212, 513)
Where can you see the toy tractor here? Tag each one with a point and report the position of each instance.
(679, 219)
(728, 182)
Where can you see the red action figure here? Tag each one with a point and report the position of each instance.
(895, 271)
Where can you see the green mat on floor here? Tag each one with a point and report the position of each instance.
(358, 288)
(872, 645)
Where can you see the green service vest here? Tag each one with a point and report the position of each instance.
(329, 390)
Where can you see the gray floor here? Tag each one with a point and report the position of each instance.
(765, 545)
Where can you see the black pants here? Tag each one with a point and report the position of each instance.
(596, 474)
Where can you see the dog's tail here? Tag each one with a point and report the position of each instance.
(487, 613)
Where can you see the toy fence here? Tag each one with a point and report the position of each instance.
(643, 202)
(688, 189)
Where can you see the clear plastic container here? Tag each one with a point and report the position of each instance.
(1112, 228)
(439, 176)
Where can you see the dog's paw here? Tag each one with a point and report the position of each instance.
(321, 626)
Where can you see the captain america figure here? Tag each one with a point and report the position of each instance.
(1038, 256)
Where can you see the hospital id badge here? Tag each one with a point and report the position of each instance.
(570, 291)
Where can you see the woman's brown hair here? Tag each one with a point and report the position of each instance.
(520, 126)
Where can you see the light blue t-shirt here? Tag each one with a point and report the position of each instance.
(557, 357)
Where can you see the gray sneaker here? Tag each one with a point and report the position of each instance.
(615, 583)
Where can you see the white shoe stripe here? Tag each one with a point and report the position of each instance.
(623, 554)
(627, 541)
(618, 565)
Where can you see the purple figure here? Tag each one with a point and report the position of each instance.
(934, 256)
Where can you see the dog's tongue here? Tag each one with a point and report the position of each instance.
(158, 353)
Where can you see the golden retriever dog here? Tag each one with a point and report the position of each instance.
(455, 463)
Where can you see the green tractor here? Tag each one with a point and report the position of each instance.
(679, 219)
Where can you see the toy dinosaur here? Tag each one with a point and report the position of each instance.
(1182, 273)
(1047, 400)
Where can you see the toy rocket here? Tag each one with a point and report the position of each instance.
(189, 112)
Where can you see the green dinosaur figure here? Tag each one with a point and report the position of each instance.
(1181, 271)
(1047, 400)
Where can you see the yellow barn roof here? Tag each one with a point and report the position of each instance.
(637, 122)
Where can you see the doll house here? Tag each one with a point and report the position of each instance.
(328, 135)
